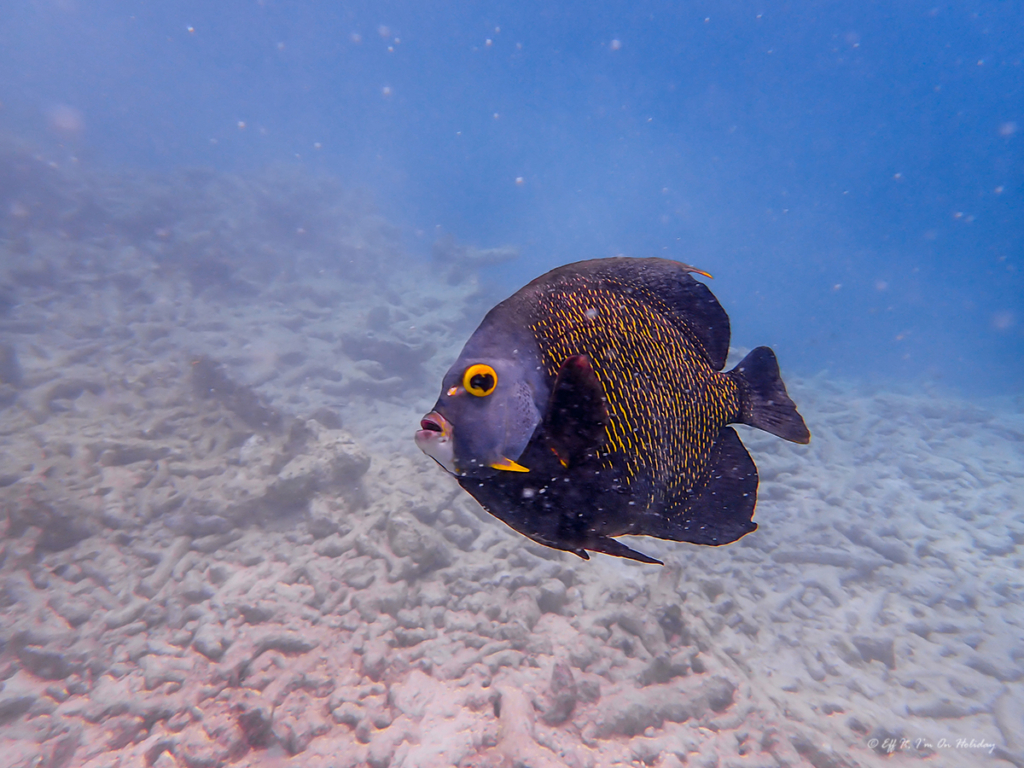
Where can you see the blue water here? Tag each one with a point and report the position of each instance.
(851, 173)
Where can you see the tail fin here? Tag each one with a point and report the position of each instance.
(764, 402)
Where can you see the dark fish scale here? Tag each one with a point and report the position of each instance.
(666, 403)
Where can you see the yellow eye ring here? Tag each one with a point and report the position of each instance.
(480, 380)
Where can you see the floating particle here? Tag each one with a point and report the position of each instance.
(65, 120)
(1002, 321)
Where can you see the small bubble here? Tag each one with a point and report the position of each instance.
(65, 121)
(386, 90)
(488, 42)
(1007, 129)
(520, 181)
(615, 44)
(191, 30)
(1003, 321)
(241, 125)
(356, 38)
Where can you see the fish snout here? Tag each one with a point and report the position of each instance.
(434, 426)
(434, 438)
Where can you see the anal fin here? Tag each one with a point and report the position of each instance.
(721, 512)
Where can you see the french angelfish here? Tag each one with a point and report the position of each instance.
(592, 404)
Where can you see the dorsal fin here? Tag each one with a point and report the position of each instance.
(690, 303)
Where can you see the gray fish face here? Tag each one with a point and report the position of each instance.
(484, 418)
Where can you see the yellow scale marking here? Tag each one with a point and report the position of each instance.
(666, 404)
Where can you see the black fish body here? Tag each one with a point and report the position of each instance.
(592, 404)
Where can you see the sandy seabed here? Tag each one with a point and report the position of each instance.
(220, 547)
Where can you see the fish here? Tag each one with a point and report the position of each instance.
(593, 404)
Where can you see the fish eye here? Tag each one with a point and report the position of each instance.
(480, 380)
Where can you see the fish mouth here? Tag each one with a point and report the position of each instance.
(435, 427)
(434, 438)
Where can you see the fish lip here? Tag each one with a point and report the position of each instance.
(434, 438)
(434, 427)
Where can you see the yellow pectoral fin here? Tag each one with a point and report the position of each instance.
(508, 465)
